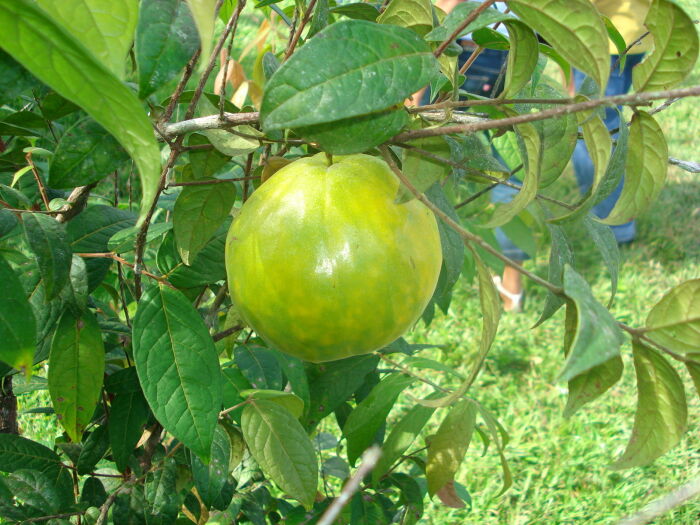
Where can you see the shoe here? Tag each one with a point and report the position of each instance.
(516, 299)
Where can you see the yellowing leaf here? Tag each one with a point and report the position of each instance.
(661, 416)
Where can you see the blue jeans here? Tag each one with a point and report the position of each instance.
(618, 84)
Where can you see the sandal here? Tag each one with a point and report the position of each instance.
(516, 299)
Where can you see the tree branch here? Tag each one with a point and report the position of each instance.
(227, 120)
(470, 18)
(77, 201)
(370, 457)
(633, 99)
(662, 505)
(297, 33)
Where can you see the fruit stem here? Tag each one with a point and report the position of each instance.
(329, 157)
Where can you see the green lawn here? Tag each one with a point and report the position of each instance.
(561, 467)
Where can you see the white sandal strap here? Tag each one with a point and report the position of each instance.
(515, 298)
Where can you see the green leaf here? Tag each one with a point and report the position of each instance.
(401, 437)
(234, 382)
(661, 418)
(128, 415)
(8, 221)
(560, 255)
(423, 171)
(35, 489)
(675, 48)
(204, 15)
(259, 366)
(104, 27)
(20, 453)
(332, 383)
(47, 240)
(124, 240)
(599, 145)
(75, 293)
(597, 338)
(574, 28)
(124, 381)
(93, 493)
(368, 416)
(357, 11)
(210, 479)
(58, 60)
(448, 446)
(617, 39)
(604, 240)
(616, 165)
(166, 38)
(208, 265)
(318, 22)
(293, 369)
(198, 213)
(500, 438)
(694, 371)
(289, 401)
(645, 174)
(234, 145)
(452, 248)
(205, 162)
(178, 367)
(586, 387)
(675, 320)
(411, 14)
(281, 447)
(76, 367)
(355, 134)
(316, 86)
(522, 57)
(90, 231)
(531, 153)
(94, 449)
(411, 497)
(458, 15)
(161, 493)
(17, 322)
(85, 154)
(491, 311)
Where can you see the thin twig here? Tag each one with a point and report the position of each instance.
(477, 195)
(234, 407)
(120, 260)
(209, 181)
(297, 34)
(229, 331)
(467, 236)
(370, 457)
(488, 102)
(662, 505)
(175, 97)
(53, 517)
(39, 182)
(470, 18)
(490, 178)
(104, 509)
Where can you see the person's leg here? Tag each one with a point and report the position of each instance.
(618, 83)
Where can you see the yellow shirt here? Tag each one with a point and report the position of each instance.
(628, 17)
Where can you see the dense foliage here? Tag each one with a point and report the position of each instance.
(123, 163)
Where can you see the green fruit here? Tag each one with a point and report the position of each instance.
(323, 264)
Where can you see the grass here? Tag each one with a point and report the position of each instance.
(561, 467)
